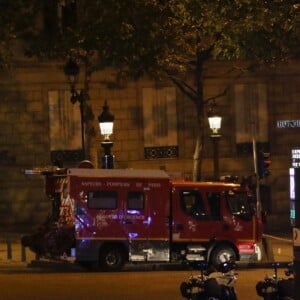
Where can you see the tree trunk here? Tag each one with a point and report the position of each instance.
(197, 159)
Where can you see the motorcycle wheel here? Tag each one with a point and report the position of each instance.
(185, 290)
(286, 288)
(267, 290)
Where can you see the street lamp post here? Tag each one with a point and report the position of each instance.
(215, 126)
(71, 70)
(106, 125)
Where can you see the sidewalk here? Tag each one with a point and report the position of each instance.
(278, 248)
(13, 253)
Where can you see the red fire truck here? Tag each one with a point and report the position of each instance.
(107, 217)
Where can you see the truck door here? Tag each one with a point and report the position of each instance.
(240, 215)
(217, 214)
(191, 217)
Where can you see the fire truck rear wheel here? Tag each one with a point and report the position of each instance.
(221, 254)
(112, 258)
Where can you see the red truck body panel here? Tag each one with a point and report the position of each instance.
(113, 205)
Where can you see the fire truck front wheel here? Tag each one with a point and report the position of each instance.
(222, 253)
(112, 258)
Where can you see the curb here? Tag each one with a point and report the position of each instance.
(71, 267)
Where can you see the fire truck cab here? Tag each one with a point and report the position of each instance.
(107, 217)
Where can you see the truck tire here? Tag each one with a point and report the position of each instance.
(112, 258)
(222, 253)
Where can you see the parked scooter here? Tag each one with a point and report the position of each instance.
(276, 288)
(210, 284)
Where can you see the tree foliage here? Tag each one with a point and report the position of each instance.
(15, 23)
(127, 32)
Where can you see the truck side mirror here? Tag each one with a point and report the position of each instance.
(264, 216)
(252, 208)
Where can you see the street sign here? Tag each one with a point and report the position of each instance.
(288, 124)
(295, 156)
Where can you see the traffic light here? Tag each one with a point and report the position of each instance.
(263, 163)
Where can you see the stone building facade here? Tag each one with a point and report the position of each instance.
(154, 128)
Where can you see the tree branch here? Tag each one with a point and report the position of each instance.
(206, 101)
(185, 88)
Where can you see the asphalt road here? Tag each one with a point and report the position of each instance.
(45, 284)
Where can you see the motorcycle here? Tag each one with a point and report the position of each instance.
(277, 288)
(211, 283)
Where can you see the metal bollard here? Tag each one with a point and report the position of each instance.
(9, 248)
(23, 253)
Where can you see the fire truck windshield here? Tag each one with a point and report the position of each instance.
(238, 204)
